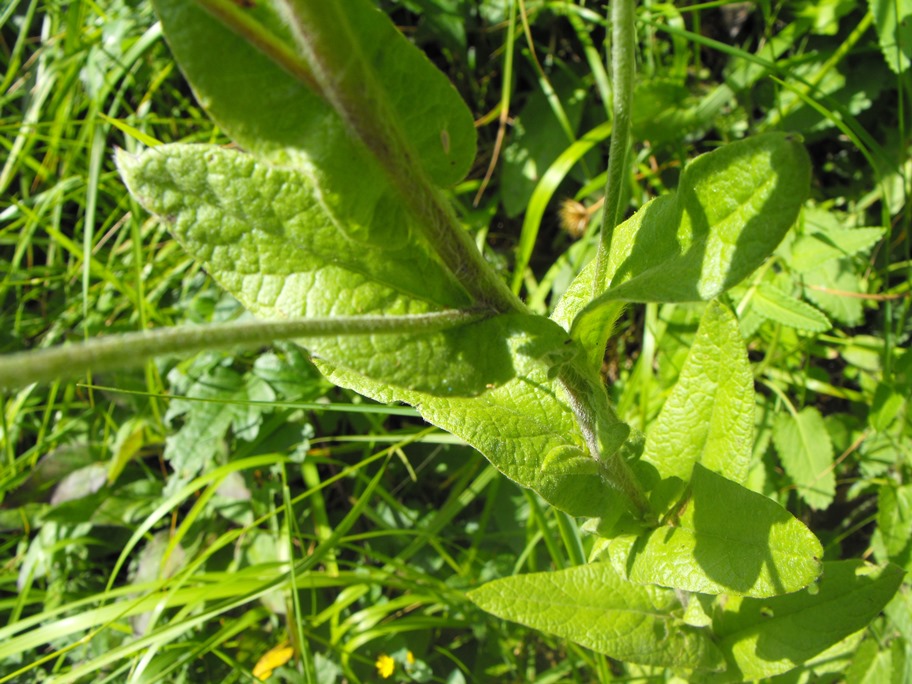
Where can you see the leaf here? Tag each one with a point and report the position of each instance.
(723, 538)
(762, 638)
(261, 232)
(51, 469)
(899, 612)
(591, 605)
(888, 400)
(871, 665)
(821, 253)
(417, 121)
(853, 89)
(218, 400)
(442, 22)
(157, 560)
(524, 427)
(80, 484)
(893, 21)
(833, 660)
(732, 208)
(806, 452)
(823, 16)
(263, 235)
(291, 375)
(277, 117)
(894, 521)
(823, 240)
(664, 110)
(864, 352)
(708, 417)
(127, 504)
(775, 305)
(832, 286)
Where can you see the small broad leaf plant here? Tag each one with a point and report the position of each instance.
(332, 228)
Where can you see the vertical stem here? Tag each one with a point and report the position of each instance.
(623, 68)
(592, 423)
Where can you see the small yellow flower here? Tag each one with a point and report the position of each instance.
(409, 657)
(385, 665)
(275, 657)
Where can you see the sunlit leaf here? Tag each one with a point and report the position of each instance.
(806, 451)
(723, 538)
(593, 606)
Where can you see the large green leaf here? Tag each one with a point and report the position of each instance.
(709, 416)
(723, 538)
(696, 452)
(762, 638)
(806, 451)
(265, 236)
(732, 207)
(524, 427)
(278, 118)
(593, 606)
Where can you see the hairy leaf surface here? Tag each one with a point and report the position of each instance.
(524, 427)
(723, 538)
(263, 234)
(709, 416)
(593, 606)
(717, 537)
(281, 119)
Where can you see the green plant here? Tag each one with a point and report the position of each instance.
(334, 221)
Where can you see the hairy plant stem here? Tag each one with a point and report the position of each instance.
(587, 399)
(623, 70)
(594, 417)
(130, 349)
(347, 80)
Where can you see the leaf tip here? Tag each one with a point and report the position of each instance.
(125, 162)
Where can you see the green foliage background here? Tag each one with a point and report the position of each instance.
(177, 522)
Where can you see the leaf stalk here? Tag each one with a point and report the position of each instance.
(238, 20)
(131, 349)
